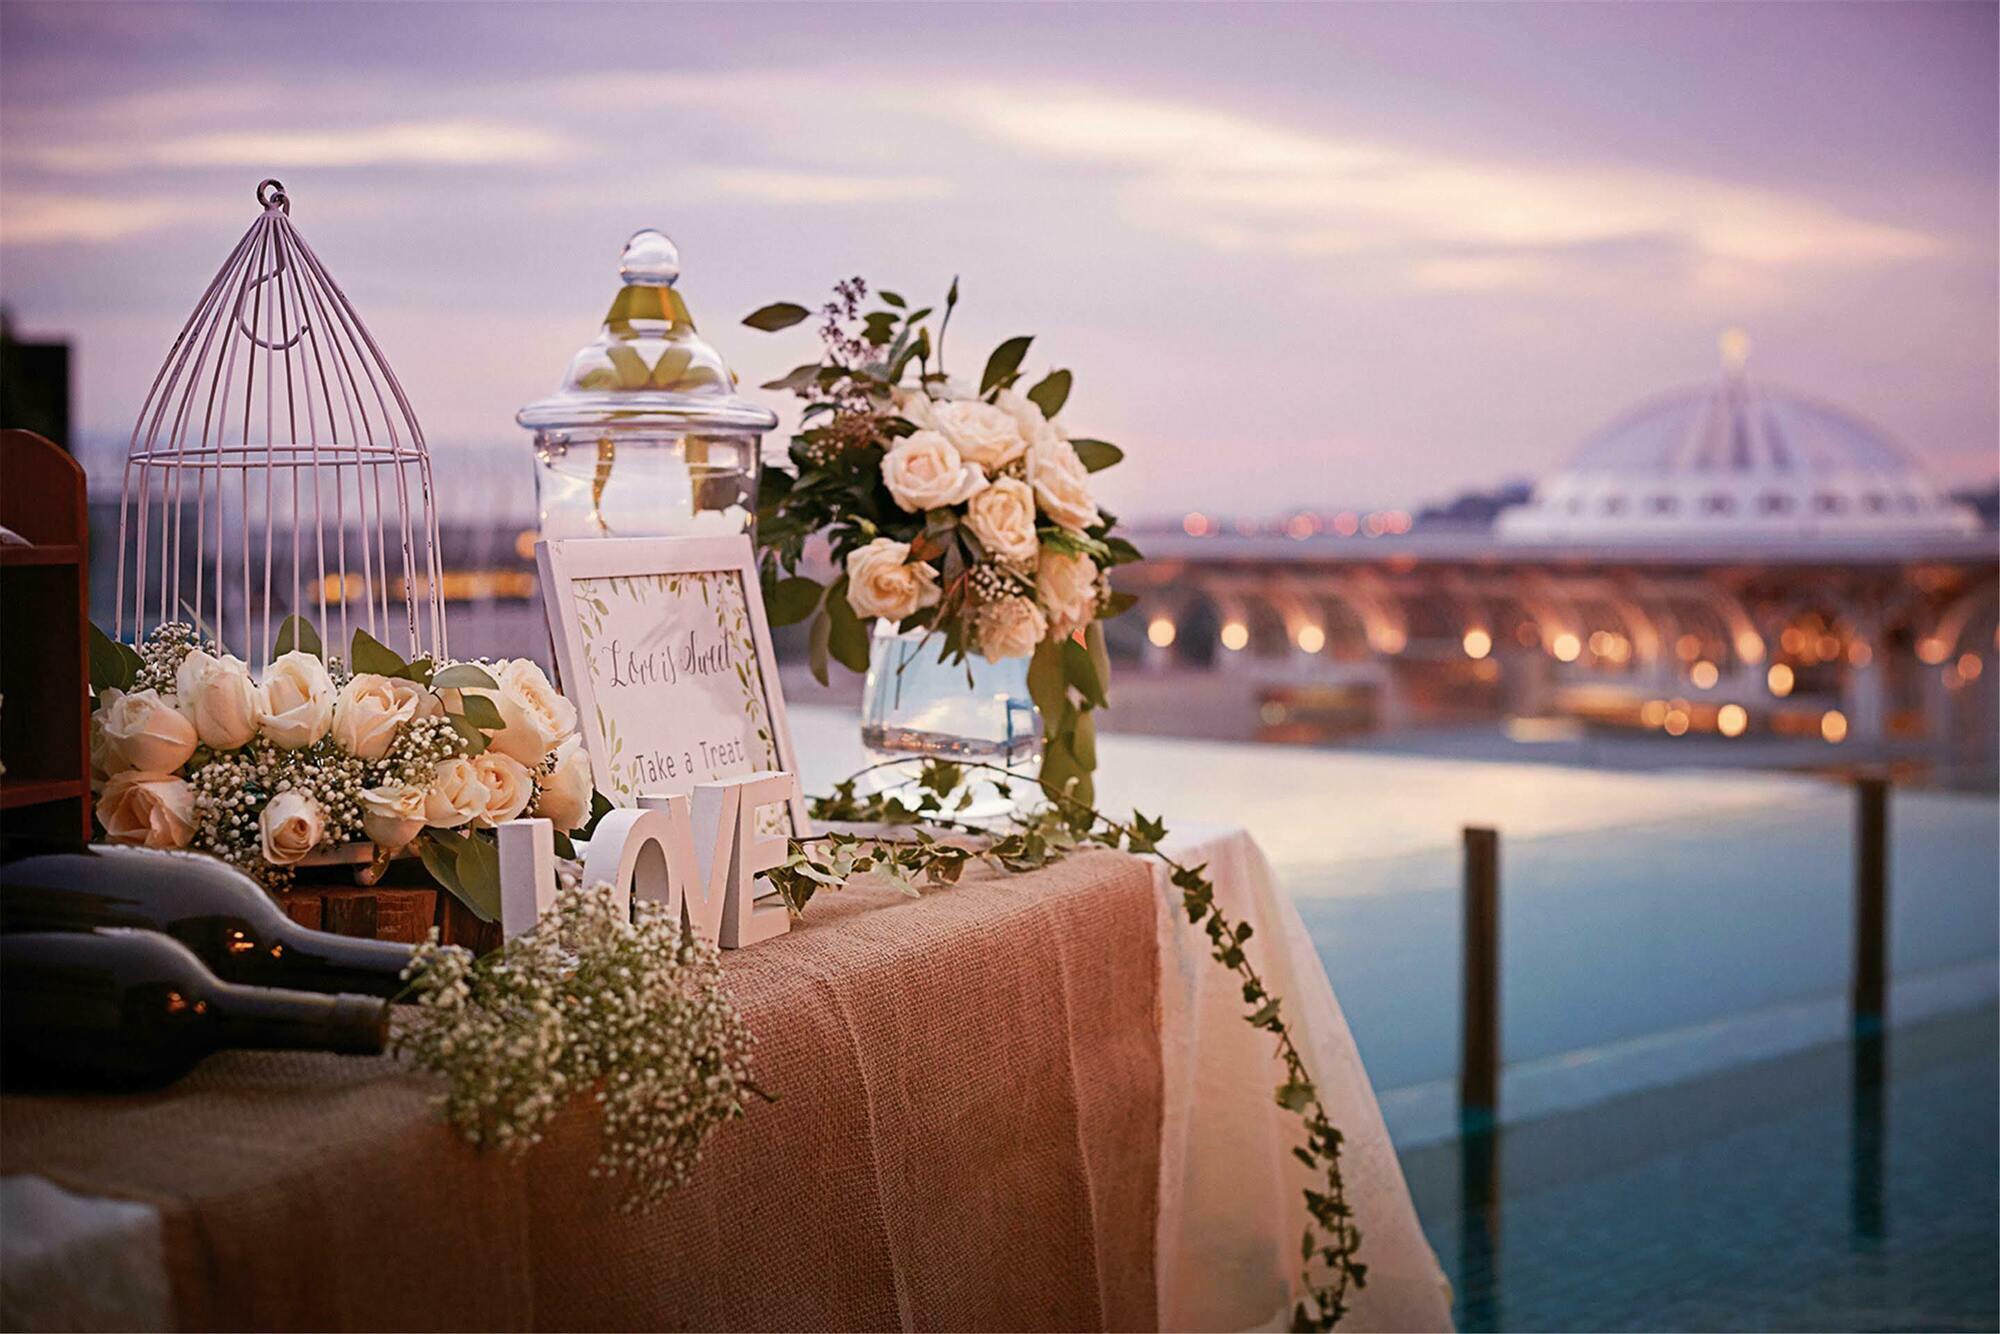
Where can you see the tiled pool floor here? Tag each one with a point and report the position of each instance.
(1806, 1193)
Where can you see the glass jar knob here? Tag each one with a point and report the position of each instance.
(650, 259)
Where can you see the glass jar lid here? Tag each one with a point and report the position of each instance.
(648, 366)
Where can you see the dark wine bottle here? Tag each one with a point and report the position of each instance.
(214, 909)
(119, 1008)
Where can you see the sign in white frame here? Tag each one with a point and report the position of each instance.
(663, 646)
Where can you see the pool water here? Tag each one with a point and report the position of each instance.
(1852, 1186)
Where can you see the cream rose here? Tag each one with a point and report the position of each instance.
(1002, 517)
(392, 815)
(298, 701)
(883, 581)
(565, 797)
(456, 794)
(924, 471)
(372, 709)
(144, 731)
(290, 825)
(1010, 628)
(984, 434)
(508, 786)
(219, 698)
(1028, 418)
(152, 809)
(533, 712)
(1062, 483)
(104, 757)
(1066, 586)
(914, 407)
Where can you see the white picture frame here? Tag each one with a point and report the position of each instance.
(658, 725)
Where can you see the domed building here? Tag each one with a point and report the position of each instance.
(1736, 462)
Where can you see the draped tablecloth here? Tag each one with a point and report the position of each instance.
(1024, 1102)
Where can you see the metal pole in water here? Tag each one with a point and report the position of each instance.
(1871, 901)
(1479, 1063)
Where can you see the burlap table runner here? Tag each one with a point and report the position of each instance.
(967, 1138)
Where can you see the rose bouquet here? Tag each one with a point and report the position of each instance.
(189, 750)
(965, 511)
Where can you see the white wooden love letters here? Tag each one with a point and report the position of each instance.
(698, 853)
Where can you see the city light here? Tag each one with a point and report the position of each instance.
(1653, 712)
(1235, 636)
(1160, 632)
(1732, 719)
(1933, 651)
(1478, 643)
(1750, 646)
(1677, 722)
(1688, 646)
(1781, 679)
(1969, 666)
(1195, 525)
(1859, 654)
(1346, 524)
(1833, 725)
(1565, 646)
(1704, 674)
(1311, 638)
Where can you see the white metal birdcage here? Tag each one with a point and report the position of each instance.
(278, 469)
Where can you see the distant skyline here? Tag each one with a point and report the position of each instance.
(1300, 255)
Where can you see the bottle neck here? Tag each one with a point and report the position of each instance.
(322, 961)
(268, 1019)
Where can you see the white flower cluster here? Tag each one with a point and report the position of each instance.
(1015, 481)
(629, 1008)
(262, 772)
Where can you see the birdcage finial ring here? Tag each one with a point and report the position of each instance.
(277, 198)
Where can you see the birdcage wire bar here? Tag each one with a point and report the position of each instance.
(266, 436)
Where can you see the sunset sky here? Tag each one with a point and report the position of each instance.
(1305, 254)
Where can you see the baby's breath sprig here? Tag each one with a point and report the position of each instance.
(162, 652)
(628, 1009)
(1046, 834)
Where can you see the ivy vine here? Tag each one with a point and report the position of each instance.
(935, 799)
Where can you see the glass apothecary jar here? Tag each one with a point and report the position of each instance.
(647, 436)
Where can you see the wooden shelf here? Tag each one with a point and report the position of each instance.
(45, 653)
(41, 554)
(34, 791)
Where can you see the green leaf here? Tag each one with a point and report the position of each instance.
(479, 877)
(461, 675)
(1081, 672)
(441, 859)
(1100, 658)
(818, 642)
(369, 654)
(1097, 455)
(600, 806)
(565, 848)
(1294, 1096)
(1004, 363)
(419, 670)
(296, 635)
(1117, 605)
(474, 739)
(110, 669)
(778, 315)
(1051, 393)
(847, 637)
(892, 299)
(481, 712)
(1083, 741)
(799, 377)
(793, 600)
(1045, 682)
